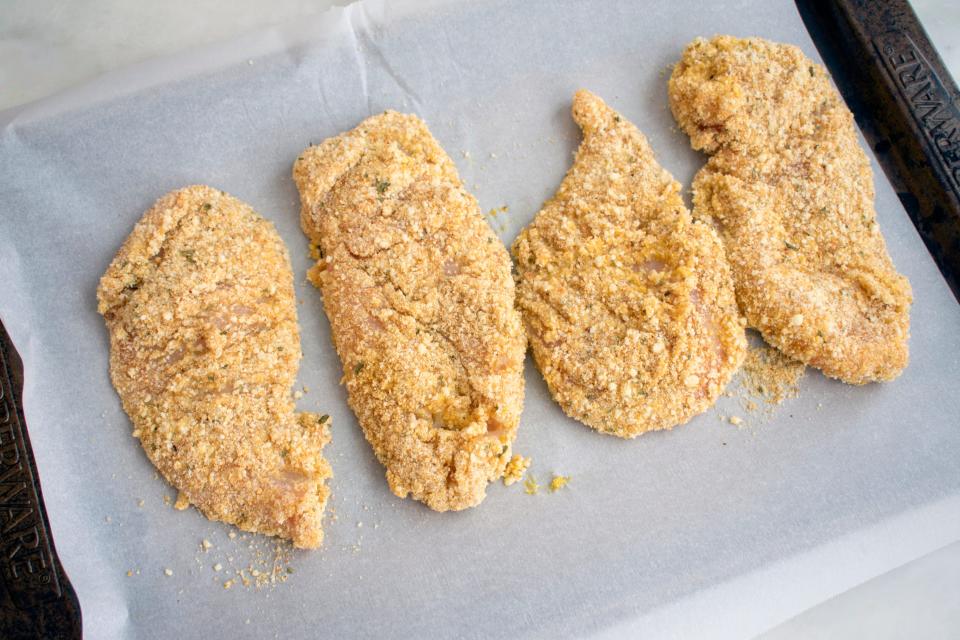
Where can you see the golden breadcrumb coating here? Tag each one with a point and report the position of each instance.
(204, 347)
(628, 303)
(420, 299)
(791, 192)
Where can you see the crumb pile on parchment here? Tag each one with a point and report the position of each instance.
(234, 560)
(244, 561)
(765, 380)
(266, 562)
(770, 375)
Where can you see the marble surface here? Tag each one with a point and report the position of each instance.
(49, 45)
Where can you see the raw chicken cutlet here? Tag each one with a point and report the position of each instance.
(420, 299)
(628, 302)
(791, 192)
(204, 348)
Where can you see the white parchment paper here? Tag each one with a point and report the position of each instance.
(708, 530)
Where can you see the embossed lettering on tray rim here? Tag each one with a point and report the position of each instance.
(26, 561)
(935, 113)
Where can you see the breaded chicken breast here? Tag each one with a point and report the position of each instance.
(791, 192)
(420, 299)
(204, 347)
(627, 301)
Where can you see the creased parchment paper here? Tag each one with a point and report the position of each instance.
(708, 530)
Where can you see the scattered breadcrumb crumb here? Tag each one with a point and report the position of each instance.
(182, 502)
(530, 485)
(768, 375)
(515, 469)
(168, 572)
(558, 482)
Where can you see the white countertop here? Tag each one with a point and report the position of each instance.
(48, 45)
